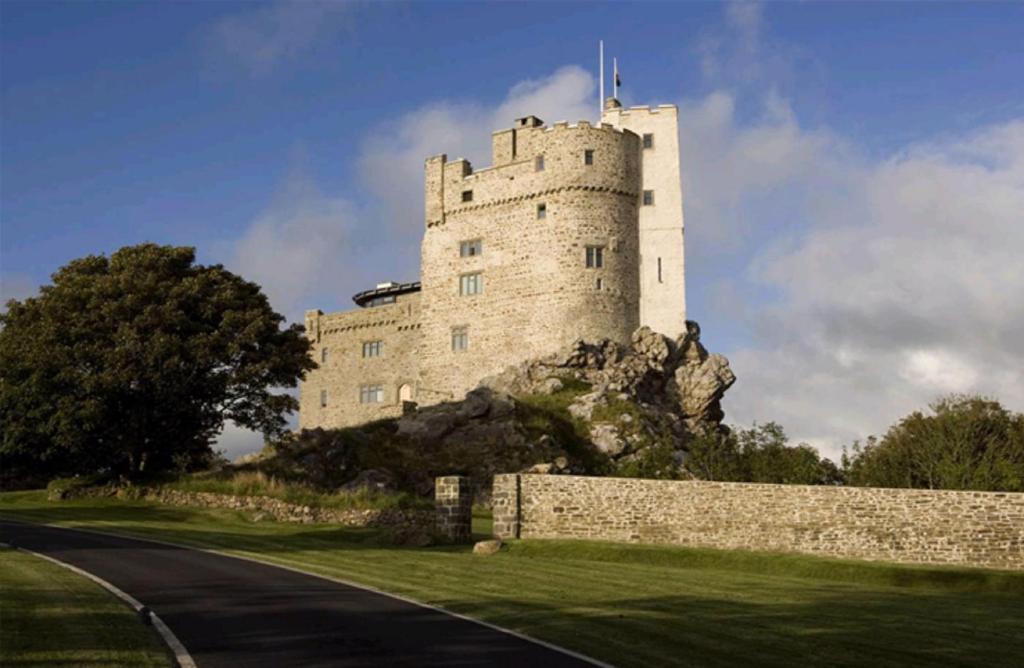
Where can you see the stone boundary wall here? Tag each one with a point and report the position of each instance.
(982, 529)
(279, 510)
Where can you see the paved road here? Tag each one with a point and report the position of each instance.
(231, 612)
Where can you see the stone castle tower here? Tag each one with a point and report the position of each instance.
(574, 231)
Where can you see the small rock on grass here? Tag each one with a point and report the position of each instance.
(488, 547)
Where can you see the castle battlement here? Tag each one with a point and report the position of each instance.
(574, 231)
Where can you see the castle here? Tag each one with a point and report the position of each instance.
(574, 231)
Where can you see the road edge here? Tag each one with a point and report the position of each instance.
(178, 650)
(329, 578)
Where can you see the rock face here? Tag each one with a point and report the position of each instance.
(626, 400)
(678, 378)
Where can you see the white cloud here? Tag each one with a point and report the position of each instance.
(262, 38)
(869, 286)
(299, 243)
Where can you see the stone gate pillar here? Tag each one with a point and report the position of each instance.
(453, 505)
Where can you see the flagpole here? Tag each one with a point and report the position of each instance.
(615, 78)
(600, 101)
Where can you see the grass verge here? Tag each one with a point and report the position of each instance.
(51, 616)
(629, 605)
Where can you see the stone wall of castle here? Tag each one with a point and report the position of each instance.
(344, 371)
(662, 262)
(984, 529)
(534, 226)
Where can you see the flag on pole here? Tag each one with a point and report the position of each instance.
(618, 79)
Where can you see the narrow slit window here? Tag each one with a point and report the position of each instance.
(659, 270)
(595, 257)
(538, 163)
(588, 156)
(460, 339)
(600, 284)
(467, 195)
(542, 211)
(323, 355)
(323, 398)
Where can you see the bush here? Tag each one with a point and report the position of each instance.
(968, 443)
(759, 454)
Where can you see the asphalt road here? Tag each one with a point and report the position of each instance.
(232, 612)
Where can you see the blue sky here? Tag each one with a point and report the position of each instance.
(853, 172)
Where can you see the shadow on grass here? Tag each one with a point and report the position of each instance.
(862, 628)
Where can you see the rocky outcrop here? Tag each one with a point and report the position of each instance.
(656, 392)
(678, 378)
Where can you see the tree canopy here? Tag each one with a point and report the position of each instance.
(759, 454)
(132, 363)
(968, 442)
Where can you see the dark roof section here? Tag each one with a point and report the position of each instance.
(385, 290)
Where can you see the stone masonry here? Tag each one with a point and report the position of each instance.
(983, 529)
(554, 242)
(453, 503)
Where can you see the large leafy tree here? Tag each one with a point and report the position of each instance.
(131, 364)
(967, 442)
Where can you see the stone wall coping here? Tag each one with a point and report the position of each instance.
(766, 485)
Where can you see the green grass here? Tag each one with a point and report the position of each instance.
(630, 605)
(51, 616)
(255, 483)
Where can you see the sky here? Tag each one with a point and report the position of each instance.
(853, 173)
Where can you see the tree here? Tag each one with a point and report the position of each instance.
(132, 363)
(969, 442)
(759, 454)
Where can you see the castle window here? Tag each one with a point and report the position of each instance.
(467, 195)
(323, 398)
(471, 248)
(538, 164)
(380, 301)
(600, 283)
(471, 284)
(648, 198)
(371, 394)
(648, 141)
(588, 156)
(659, 270)
(542, 211)
(373, 348)
(460, 339)
(323, 355)
(595, 257)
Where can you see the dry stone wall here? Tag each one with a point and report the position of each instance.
(983, 529)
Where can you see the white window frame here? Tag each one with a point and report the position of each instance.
(373, 348)
(594, 258)
(471, 284)
(460, 339)
(371, 394)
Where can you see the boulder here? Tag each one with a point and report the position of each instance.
(488, 547)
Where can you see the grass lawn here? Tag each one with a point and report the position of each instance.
(51, 616)
(630, 605)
